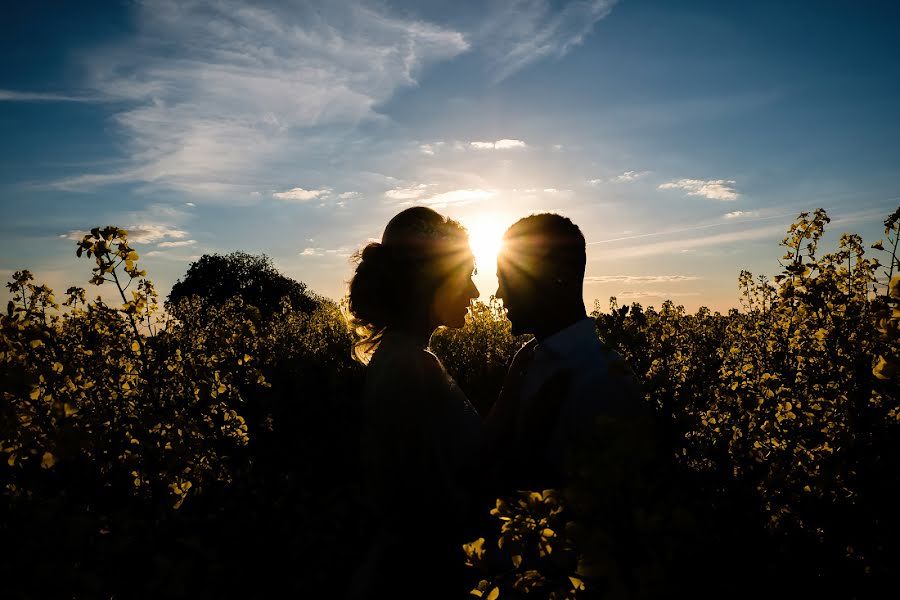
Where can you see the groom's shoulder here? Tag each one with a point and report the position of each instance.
(527, 346)
(524, 352)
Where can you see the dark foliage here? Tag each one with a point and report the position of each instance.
(215, 455)
(216, 278)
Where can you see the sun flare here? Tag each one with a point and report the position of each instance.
(485, 237)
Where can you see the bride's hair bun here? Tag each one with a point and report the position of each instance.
(371, 285)
(395, 278)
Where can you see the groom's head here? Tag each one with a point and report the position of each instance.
(540, 271)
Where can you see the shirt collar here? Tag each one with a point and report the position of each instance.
(569, 340)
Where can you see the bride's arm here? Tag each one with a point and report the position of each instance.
(410, 419)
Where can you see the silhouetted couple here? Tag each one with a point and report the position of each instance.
(429, 456)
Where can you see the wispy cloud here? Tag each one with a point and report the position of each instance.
(698, 236)
(19, 96)
(171, 256)
(653, 294)
(714, 189)
(628, 176)
(458, 197)
(348, 195)
(639, 279)
(524, 31)
(249, 78)
(407, 193)
(300, 194)
(692, 243)
(504, 144)
(692, 228)
(313, 252)
(178, 244)
(430, 149)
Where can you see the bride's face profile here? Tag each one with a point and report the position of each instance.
(454, 295)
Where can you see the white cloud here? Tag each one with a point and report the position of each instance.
(192, 205)
(522, 32)
(178, 244)
(149, 233)
(740, 214)
(407, 193)
(626, 177)
(300, 194)
(146, 233)
(348, 195)
(457, 197)
(556, 147)
(248, 79)
(504, 144)
(639, 279)
(629, 176)
(714, 189)
(507, 143)
(342, 251)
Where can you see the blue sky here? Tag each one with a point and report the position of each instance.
(683, 137)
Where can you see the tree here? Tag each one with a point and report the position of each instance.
(215, 278)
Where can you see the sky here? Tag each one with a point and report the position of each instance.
(682, 137)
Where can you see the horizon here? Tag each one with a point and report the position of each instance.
(683, 140)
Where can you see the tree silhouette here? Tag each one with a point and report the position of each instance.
(215, 278)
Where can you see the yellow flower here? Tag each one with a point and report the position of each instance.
(894, 287)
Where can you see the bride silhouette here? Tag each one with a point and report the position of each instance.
(420, 431)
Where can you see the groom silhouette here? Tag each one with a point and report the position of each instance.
(561, 381)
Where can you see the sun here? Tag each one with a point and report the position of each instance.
(485, 238)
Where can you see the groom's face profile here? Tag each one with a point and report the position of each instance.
(540, 272)
(520, 287)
